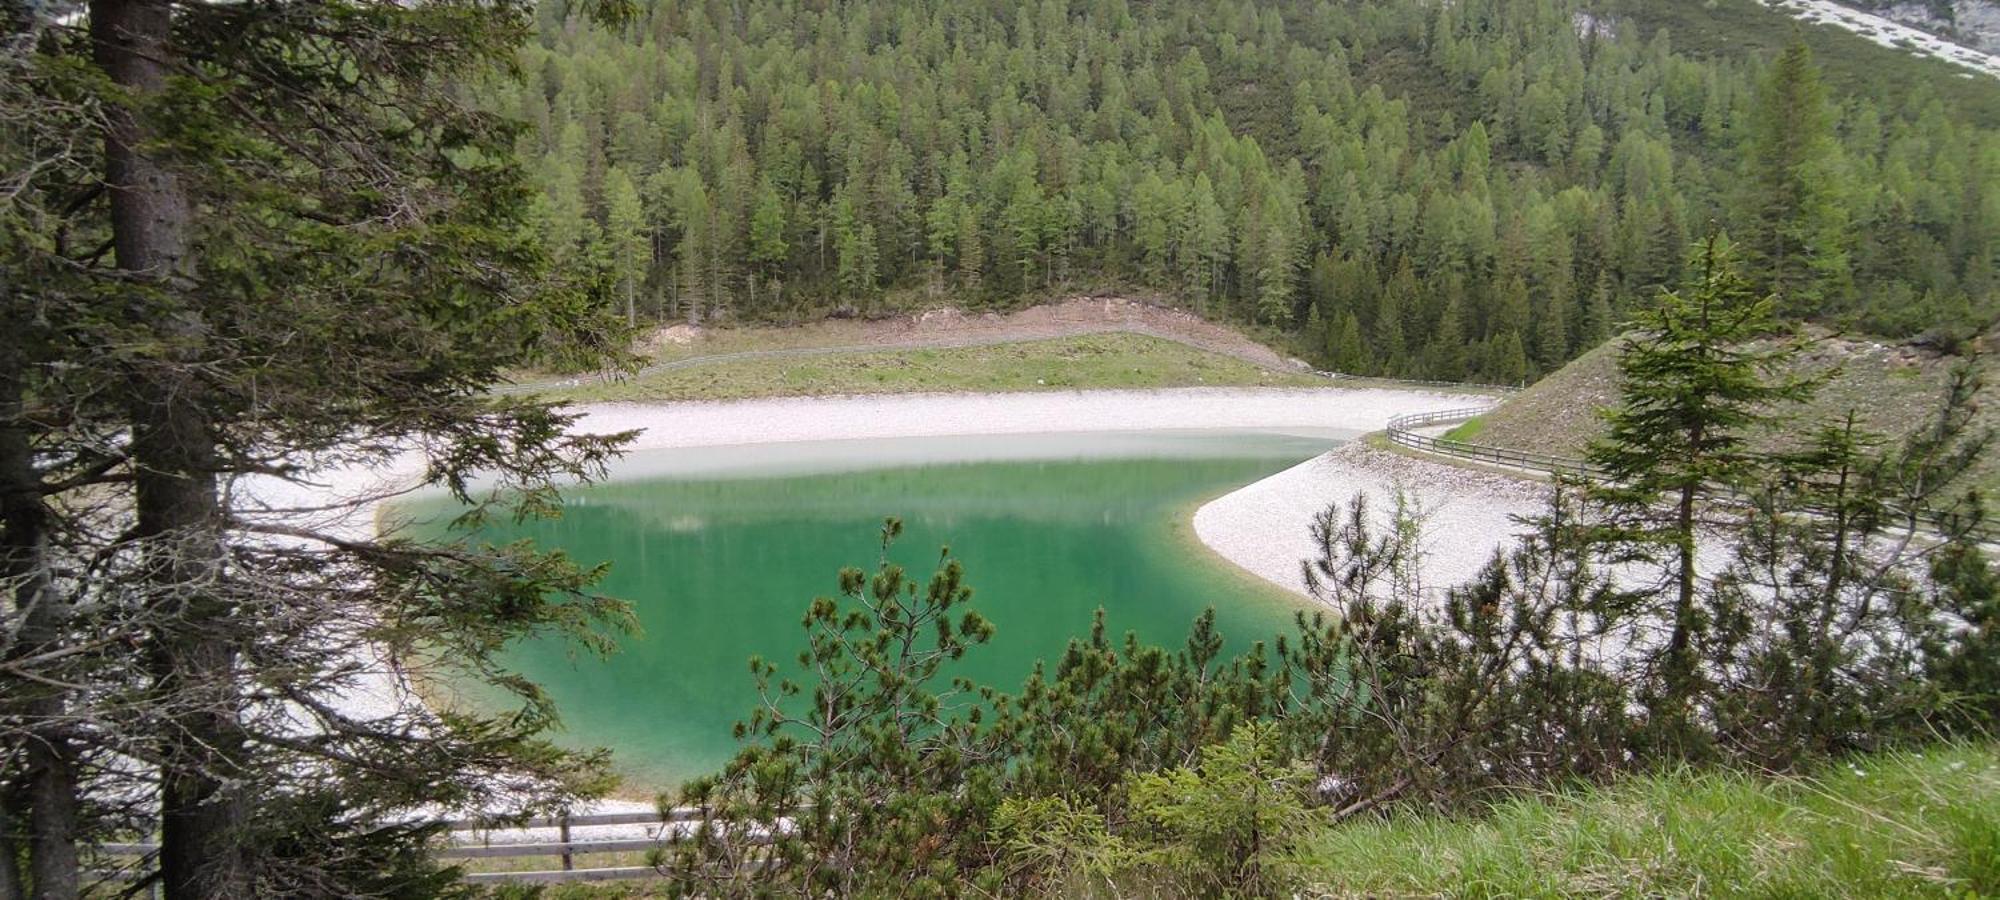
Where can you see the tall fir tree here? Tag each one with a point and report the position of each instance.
(1702, 368)
(1800, 223)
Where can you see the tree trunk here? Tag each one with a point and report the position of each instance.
(179, 512)
(1680, 665)
(49, 764)
(11, 887)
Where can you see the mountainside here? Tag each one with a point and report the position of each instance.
(1473, 190)
(1973, 23)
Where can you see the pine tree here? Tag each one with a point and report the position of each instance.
(314, 253)
(1597, 323)
(768, 248)
(1350, 355)
(1507, 359)
(971, 246)
(1552, 334)
(1277, 275)
(1445, 351)
(1800, 236)
(1204, 241)
(941, 236)
(855, 252)
(1698, 373)
(1391, 352)
(628, 244)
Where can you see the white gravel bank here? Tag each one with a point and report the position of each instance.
(1266, 527)
(939, 415)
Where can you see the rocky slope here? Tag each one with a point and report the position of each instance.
(1972, 23)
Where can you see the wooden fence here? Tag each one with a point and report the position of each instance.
(1401, 432)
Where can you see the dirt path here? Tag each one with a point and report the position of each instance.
(684, 346)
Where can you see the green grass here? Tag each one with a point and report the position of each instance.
(1467, 430)
(1893, 825)
(1087, 361)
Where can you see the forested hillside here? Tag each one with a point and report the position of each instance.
(1472, 190)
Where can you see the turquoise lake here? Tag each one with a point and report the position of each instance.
(720, 550)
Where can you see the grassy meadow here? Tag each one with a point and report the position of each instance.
(1112, 360)
(1907, 824)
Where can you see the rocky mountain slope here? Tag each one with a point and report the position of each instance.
(1972, 23)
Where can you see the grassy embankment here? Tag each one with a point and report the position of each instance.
(1889, 825)
(1467, 430)
(1892, 389)
(1113, 360)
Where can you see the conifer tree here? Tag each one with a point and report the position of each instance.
(1507, 359)
(1445, 349)
(312, 254)
(1704, 366)
(1800, 223)
(1349, 354)
(1597, 324)
(625, 236)
(768, 247)
(1552, 334)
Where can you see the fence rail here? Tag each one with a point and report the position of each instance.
(1401, 432)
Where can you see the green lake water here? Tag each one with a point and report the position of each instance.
(720, 550)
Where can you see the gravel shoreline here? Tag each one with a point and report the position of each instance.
(1265, 527)
(793, 419)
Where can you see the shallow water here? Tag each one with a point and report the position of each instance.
(720, 550)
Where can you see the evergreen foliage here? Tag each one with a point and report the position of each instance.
(1265, 161)
(240, 245)
(1696, 381)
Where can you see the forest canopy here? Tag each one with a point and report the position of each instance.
(1476, 190)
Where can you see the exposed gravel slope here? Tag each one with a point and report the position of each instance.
(1889, 33)
(707, 424)
(1266, 527)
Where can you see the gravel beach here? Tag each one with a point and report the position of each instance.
(669, 425)
(1265, 527)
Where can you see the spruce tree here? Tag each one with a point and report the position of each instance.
(1597, 324)
(768, 248)
(1703, 368)
(1446, 347)
(627, 240)
(1552, 334)
(308, 253)
(1799, 221)
(1350, 355)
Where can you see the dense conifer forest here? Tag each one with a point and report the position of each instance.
(1475, 190)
